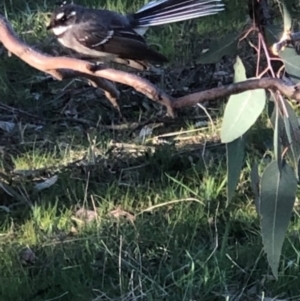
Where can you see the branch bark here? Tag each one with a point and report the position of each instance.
(103, 77)
(290, 91)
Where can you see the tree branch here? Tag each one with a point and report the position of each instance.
(77, 68)
(102, 76)
(291, 91)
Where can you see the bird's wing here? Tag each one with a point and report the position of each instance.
(115, 39)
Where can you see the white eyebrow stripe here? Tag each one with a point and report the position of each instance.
(59, 16)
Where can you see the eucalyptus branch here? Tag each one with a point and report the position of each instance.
(66, 67)
(291, 91)
(102, 76)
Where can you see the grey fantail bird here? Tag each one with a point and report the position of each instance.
(108, 35)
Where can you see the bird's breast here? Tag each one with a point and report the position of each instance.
(60, 30)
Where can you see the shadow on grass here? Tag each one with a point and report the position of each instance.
(181, 251)
(168, 252)
(195, 249)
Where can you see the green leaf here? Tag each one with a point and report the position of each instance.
(270, 109)
(287, 19)
(255, 180)
(298, 173)
(243, 109)
(241, 112)
(273, 33)
(287, 127)
(291, 63)
(227, 45)
(235, 151)
(289, 5)
(239, 71)
(293, 118)
(278, 193)
(295, 131)
(293, 136)
(276, 142)
(289, 133)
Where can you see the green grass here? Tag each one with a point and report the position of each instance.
(183, 243)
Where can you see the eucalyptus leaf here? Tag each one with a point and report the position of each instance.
(289, 132)
(287, 126)
(276, 138)
(288, 5)
(255, 180)
(294, 147)
(241, 112)
(243, 109)
(278, 193)
(291, 61)
(287, 19)
(273, 33)
(46, 184)
(239, 71)
(235, 151)
(270, 109)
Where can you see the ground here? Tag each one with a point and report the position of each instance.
(130, 217)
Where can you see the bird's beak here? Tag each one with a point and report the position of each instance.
(49, 26)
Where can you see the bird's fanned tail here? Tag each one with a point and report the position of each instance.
(169, 11)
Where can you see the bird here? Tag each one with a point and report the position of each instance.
(112, 36)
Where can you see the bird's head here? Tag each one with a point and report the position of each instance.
(63, 18)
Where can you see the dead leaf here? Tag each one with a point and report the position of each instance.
(73, 230)
(7, 126)
(117, 213)
(86, 215)
(46, 184)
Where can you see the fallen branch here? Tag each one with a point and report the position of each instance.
(102, 76)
